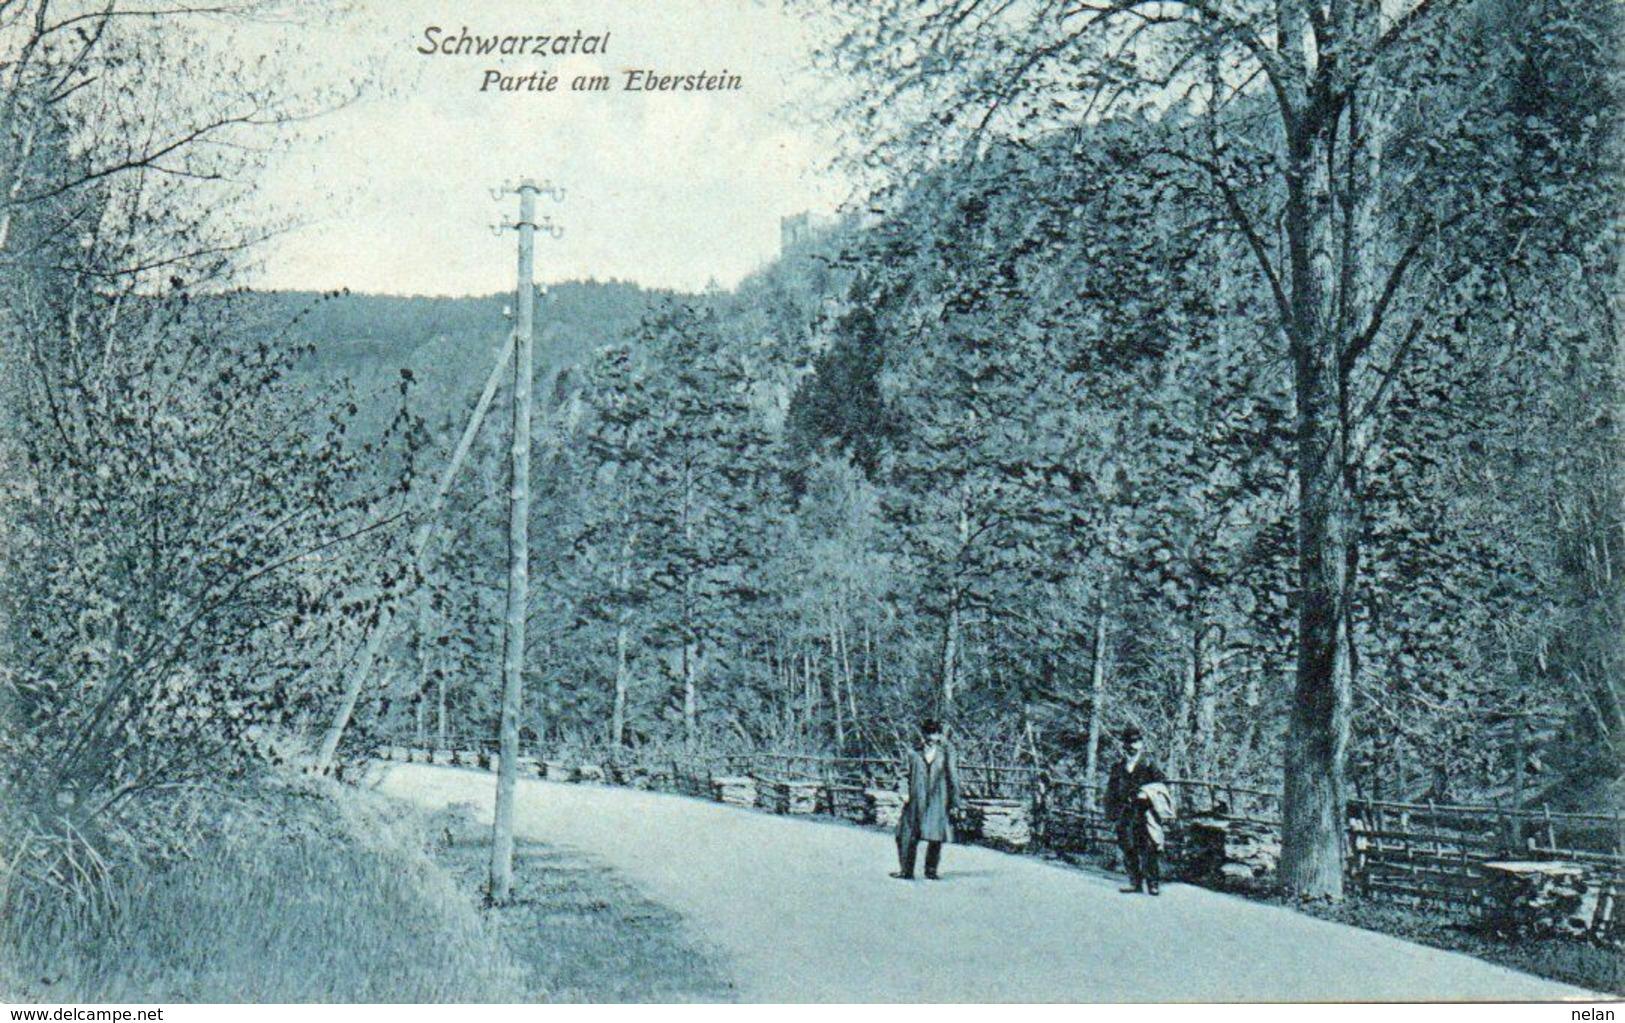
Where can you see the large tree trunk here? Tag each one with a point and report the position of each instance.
(1334, 149)
(1318, 729)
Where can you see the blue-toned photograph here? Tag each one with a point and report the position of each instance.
(811, 501)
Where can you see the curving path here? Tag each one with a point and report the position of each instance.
(804, 912)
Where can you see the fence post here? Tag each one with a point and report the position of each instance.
(1037, 808)
(1472, 889)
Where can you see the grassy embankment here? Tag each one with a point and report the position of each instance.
(580, 932)
(322, 893)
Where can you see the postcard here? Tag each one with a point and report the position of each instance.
(820, 501)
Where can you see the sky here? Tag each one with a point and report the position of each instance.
(392, 193)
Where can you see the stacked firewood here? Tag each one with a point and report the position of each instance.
(1006, 822)
(851, 803)
(735, 790)
(793, 795)
(885, 806)
(1539, 897)
(1217, 848)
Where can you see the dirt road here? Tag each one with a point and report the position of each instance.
(804, 911)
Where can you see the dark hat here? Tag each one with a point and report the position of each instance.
(1132, 734)
(930, 725)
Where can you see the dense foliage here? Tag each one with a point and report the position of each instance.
(1016, 445)
(192, 533)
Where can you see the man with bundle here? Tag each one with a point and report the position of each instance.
(1139, 803)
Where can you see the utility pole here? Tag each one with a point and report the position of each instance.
(513, 633)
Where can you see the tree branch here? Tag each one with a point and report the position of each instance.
(1283, 78)
(1396, 278)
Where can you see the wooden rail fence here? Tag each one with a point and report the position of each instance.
(1457, 859)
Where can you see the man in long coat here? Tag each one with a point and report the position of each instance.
(933, 802)
(1129, 809)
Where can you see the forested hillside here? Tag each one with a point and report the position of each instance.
(447, 344)
(1018, 446)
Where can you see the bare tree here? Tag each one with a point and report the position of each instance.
(940, 78)
(145, 100)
